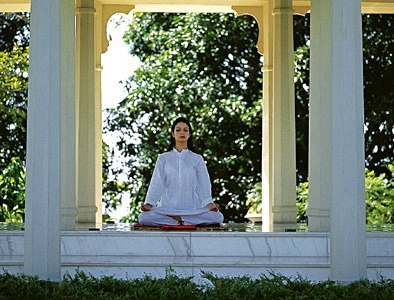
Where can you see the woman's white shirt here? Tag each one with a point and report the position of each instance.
(180, 183)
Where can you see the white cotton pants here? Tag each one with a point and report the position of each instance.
(151, 218)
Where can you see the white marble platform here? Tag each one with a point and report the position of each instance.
(133, 254)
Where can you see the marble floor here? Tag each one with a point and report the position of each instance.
(227, 227)
(236, 227)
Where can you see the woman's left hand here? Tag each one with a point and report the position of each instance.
(146, 206)
(213, 207)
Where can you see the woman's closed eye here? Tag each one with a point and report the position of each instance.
(179, 130)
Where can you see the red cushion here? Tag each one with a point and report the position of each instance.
(179, 227)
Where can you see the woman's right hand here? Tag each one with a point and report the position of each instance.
(213, 206)
(146, 207)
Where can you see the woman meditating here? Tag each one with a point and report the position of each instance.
(180, 184)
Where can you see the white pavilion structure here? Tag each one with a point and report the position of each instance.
(63, 196)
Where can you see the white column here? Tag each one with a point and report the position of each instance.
(89, 120)
(320, 117)
(68, 188)
(336, 116)
(267, 161)
(50, 135)
(98, 112)
(283, 197)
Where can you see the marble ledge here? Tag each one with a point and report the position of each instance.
(175, 245)
(227, 253)
(192, 261)
(198, 244)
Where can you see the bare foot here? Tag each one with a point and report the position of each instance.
(177, 218)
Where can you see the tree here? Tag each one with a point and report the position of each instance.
(378, 44)
(15, 29)
(14, 37)
(13, 105)
(301, 86)
(113, 188)
(379, 197)
(14, 51)
(205, 67)
(378, 53)
(12, 191)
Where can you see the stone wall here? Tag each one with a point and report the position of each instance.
(133, 254)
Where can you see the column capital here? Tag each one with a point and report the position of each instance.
(282, 11)
(85, 11)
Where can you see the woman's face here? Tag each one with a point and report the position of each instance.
(181, 132)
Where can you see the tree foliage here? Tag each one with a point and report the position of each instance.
(379, 197)
(204, 67)
(378, 58)
(14, 52)
(378, 52)
(12, 191)
(13, 104)
(378, 42)
(112, 188)
(301, 89)
(14, 29)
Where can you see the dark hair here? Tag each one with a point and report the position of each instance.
(172, 139)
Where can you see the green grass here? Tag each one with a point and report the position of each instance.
(275, 286)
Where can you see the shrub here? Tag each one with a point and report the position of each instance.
(379, 198)
(271, 286)
(12, 191)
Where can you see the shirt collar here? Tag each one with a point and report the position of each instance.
(179, 152)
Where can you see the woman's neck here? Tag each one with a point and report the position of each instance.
(180, 146)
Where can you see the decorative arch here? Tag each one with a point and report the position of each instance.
(257, 13)
(107, 12)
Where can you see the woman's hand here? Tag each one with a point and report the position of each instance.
(213, 207)
(146, 207)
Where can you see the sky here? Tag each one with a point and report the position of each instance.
(118, 65)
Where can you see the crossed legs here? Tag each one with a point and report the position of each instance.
(151, 218)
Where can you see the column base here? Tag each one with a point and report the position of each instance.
(284, 227)
(68, 218)
(284, 218)
(318, 222)
(88, 226)
(87, 218)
